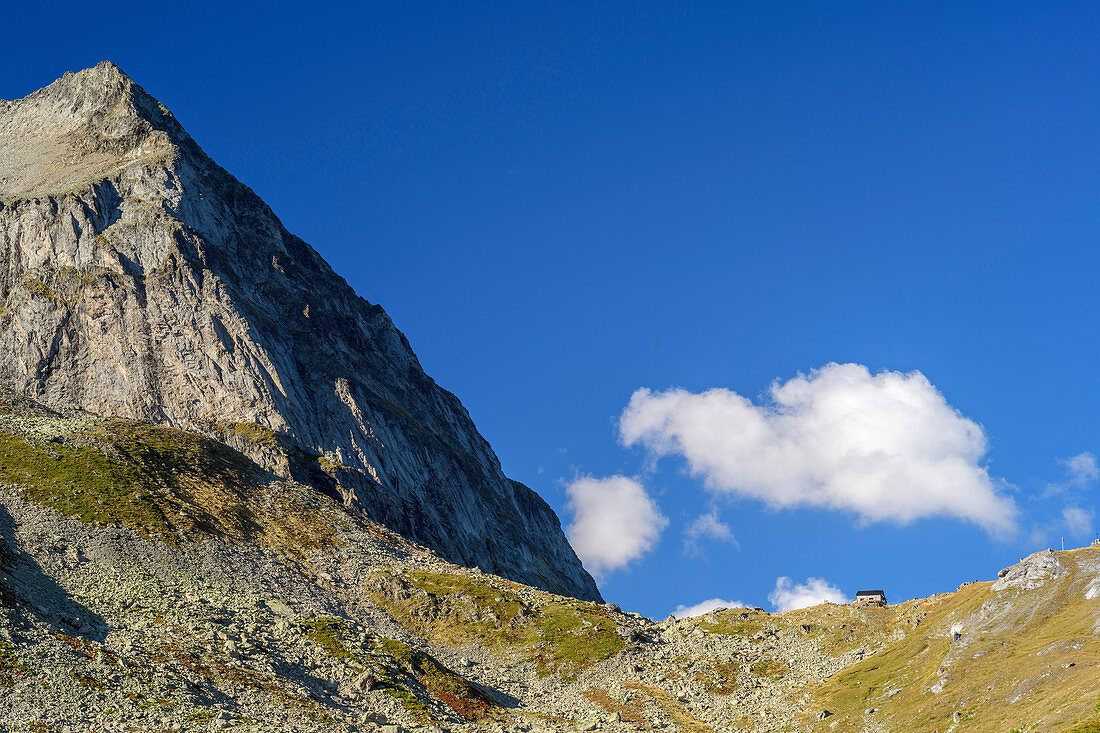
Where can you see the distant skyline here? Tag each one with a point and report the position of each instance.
(771, 303)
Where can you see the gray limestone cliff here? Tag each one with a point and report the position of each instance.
(140, 279)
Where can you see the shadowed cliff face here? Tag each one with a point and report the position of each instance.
(139, 279)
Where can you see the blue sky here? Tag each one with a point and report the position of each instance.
(563, 203)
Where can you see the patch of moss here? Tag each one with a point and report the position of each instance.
(65, 285)
(86, 681)
(561, 636)
(451, 689)
(767, 667)
(408, 700)
(719, 677)
(39, 289)
(395, 677)
(79, 277)
(330, 465)
(256, 434)
(575, 637)
(10, 666)
(412, 677)
(326, 632)
(732, 623)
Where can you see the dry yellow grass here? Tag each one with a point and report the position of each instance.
(1025, 660)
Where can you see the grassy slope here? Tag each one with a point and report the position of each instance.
(161, 482)
(1024, 660)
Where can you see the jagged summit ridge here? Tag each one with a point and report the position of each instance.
(138, 278)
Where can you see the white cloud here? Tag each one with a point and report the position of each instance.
(887, 446)
(788, 596)
(614, 522)
(1073, 522)
(1078, 521)
(705, 607)
(1082, 468)
(707, 526)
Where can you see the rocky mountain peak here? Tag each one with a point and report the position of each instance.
(140, 279)
(84, 127)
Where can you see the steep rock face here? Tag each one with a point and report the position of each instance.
(140, 279)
